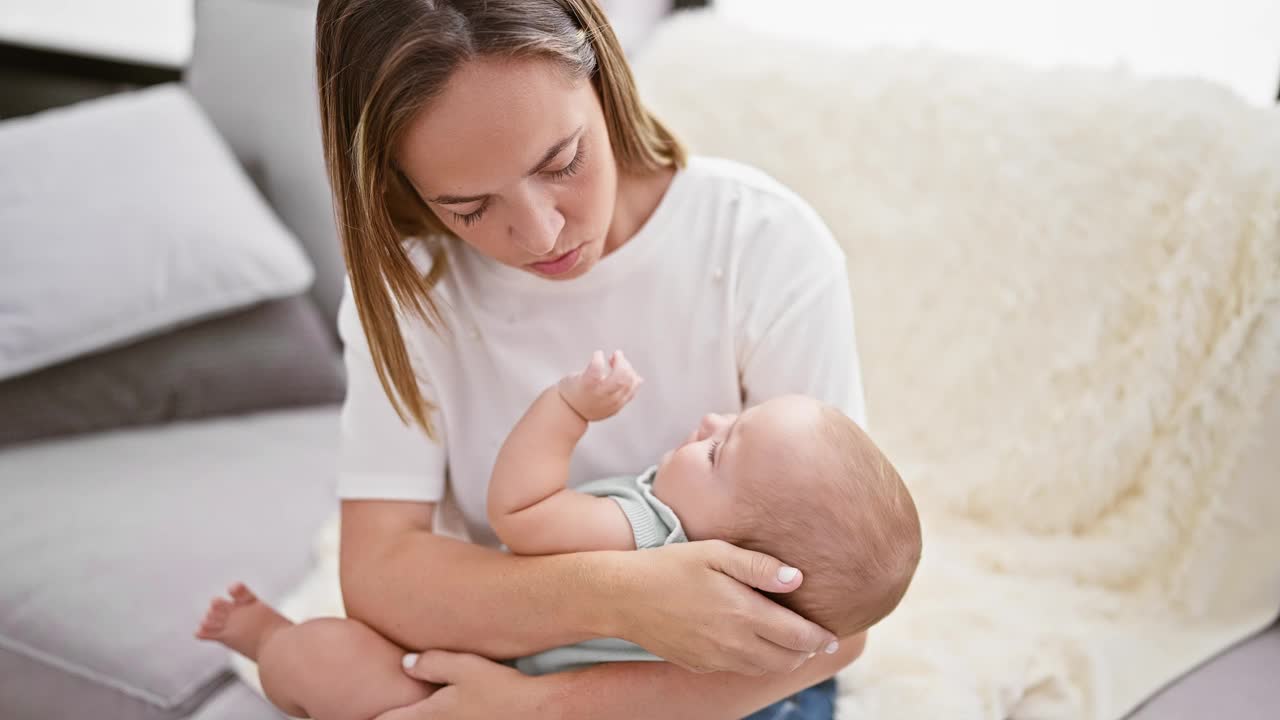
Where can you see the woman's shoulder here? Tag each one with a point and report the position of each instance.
(707, 171)
(424, 255)
(767, 211)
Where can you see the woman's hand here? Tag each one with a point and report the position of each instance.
(473, 687)
(692, 604)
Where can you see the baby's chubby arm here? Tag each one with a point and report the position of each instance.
(530, 506)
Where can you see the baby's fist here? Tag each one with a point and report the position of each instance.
(602, 389)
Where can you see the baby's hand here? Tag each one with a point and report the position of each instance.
(602, 389)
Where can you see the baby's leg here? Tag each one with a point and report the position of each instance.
(337, 669)
(327, 669)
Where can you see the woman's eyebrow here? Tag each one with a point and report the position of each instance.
(455, 199)
(554, 151)
(542, 164)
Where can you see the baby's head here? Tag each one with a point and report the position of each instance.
(800, 481)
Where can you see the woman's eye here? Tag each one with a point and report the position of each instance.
(574, 165)
(471, 218)
(711, 451)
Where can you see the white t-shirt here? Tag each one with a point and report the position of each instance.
(733, 291)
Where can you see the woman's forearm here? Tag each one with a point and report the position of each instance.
(426, 591)
(621, 691)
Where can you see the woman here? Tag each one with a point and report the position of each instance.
(506, 206)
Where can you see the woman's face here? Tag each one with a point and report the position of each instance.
(515, 159)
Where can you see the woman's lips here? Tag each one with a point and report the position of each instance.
(559, 265)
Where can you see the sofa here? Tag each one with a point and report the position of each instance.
(113, 541)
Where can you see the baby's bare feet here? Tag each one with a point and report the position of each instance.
(242, 623)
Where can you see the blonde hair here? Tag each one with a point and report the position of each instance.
(844, 517)
(378, 63)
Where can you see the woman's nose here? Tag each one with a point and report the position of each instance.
(538, 228)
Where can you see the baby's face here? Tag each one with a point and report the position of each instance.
(724, 455)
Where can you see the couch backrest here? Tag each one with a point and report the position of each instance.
(252, 70)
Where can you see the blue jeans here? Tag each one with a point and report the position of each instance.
(814, 703)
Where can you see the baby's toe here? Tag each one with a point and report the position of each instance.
(241, 594)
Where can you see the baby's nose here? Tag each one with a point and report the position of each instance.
(711, 422)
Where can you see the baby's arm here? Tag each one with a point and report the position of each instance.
(530, 508)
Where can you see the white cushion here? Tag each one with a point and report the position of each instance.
(122, 217)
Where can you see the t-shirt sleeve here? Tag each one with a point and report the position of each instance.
(380, 456)
(653, 522)
(795, 320)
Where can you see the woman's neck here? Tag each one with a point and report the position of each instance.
(638, 197)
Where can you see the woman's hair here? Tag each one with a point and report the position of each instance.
(380, 62)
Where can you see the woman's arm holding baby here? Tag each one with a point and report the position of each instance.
(530, 508)
(479, 689)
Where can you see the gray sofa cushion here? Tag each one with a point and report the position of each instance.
(123, 217)
(275, 355)
(1239, 684)
(237, 701)
(112, 544)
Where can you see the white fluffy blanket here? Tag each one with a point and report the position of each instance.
(1067, 286)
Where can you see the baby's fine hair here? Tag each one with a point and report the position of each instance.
(845, 518)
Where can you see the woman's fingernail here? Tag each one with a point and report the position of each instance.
(832, 647)
(409, 660)
(786, 574)
(811, 655)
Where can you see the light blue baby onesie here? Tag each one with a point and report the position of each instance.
(653, 524)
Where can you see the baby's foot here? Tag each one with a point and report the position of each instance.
(242, 623)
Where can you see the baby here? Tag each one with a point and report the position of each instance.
(791, 477)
